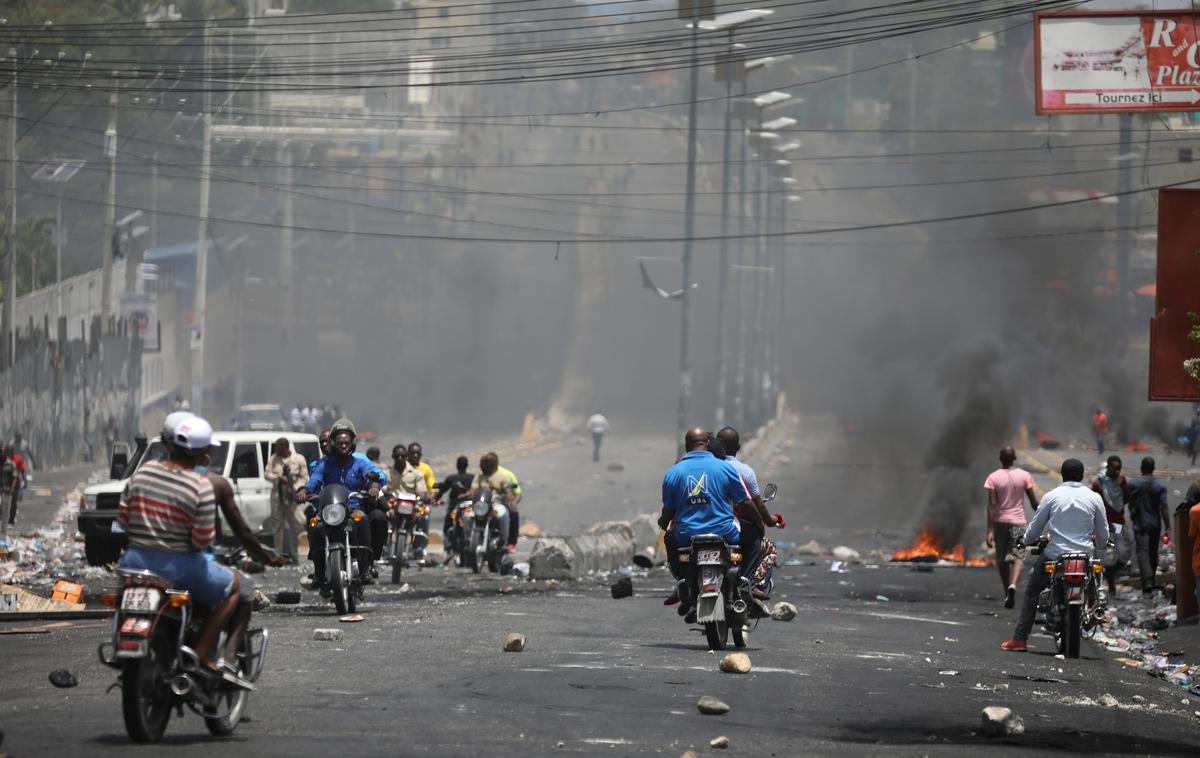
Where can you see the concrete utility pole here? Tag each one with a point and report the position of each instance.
(1124, 233)
(685, 311)
(200, 302)
(10, 269)
(110, 210)
(723, 258)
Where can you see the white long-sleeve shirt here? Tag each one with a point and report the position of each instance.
(1072, 514)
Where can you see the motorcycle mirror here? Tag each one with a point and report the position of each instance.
(769, 492)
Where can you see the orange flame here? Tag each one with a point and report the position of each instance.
(927, 546)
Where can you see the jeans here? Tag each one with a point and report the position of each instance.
(208, 581)
(1147, 556)
(1036, 580)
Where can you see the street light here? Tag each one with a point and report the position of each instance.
(729, 70)
(58, 172)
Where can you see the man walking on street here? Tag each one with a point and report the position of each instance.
(1007, 488)
(1113, 490)
(1074, 518)
(1192, 499)
(598, 426)
(1147, 516)
(1100, 429)
(287, 470)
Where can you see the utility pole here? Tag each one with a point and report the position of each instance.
(200, 302)
(154, 200)
(1124, 220)
(723, 258)
(685, 366)
(10, 268)
(287, 249)
(110, 210)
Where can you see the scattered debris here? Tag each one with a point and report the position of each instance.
(327, 635)
(1138, 699)
(404, 588)
(1108, 701)
(531, 529)
(623, 588)
(63, 679)
(836, 568)
(521, 569)
(882, 599)
(647, 558)
(812, 547)
(736, 663)
(949, 672)
(719, 743)
(260, 601)
(843, 553)
(352, 618)
(997, 721)
(710, 706)
(18, 600)
(784, 612)
(504, 589)
(689, 754)
(514, 643)
(615, 466)
(287, 597)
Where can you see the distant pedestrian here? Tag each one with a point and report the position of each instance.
(1193, 499)
(1007, 488)
(1113, 489)
(373, 454)
(598, 426)
(1147, 515)
(8, 489)
(1100, 429)
(297, 419)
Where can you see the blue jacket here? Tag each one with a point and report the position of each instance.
(352, 475)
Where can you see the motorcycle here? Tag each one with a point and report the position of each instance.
(487, 534)
(713, 576)
(334, 515)
(1075, 602)
(405, 510)
(154, 628)
(458, 538)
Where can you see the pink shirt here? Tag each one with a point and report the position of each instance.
(1010, 485)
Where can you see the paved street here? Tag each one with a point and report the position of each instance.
(882, 660)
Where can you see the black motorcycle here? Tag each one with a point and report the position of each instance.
(486, 534)
(1074, 604)
(713, 576)
(333, 513)
(154, 629)
(405, 511)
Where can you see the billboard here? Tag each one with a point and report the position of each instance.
(1117, 61)
(1176, 294)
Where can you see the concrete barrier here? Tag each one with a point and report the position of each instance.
(607, 546)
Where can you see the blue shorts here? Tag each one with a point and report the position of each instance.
(208, 581)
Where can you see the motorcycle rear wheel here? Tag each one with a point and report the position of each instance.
(146, 697)
(741, 638)
(1071, 631)
(474, 550)
(338, 583)
(717, 633)
(232, 701)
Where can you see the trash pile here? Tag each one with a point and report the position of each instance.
(50, 553)
(1132, 627)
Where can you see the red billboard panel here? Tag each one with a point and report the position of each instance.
(1177, 285)
(1117, 61)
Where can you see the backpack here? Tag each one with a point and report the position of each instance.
(8, 474)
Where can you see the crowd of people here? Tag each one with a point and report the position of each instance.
(313, 418)
(1122, 522)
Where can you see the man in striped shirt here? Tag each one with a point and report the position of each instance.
(169, 512)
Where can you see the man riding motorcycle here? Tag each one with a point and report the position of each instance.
(502, 483)
(699, 496)
(406, 478)
(353, 471)
(1074, 518)
(457, 486)
(415, 453)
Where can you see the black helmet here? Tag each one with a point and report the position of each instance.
(344, 426)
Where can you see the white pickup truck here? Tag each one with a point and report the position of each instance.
(241, 459)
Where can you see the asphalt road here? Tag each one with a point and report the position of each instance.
(424, 675)
(880, 661)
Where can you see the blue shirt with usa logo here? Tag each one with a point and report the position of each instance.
(701, 491)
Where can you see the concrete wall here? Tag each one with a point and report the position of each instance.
(57, 398)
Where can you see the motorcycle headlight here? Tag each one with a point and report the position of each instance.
(333, 514)
(481, 508)
(87, 503)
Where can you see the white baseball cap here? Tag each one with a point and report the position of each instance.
(195, 434)
(171, 421)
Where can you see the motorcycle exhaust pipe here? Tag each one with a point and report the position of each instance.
(739, 606)
(182, 685)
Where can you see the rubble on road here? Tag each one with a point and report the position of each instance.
(736, 663)
(514, 643)
(812, 547)
(719, 743)
(63, 679)
(327, 635)
(784, 612)
(710, 706)
(1131, 628)
(998, 721)
(846, 554)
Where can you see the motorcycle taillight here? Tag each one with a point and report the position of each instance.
(1074, 570)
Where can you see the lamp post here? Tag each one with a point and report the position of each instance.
(58, 172)
(730, 69)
